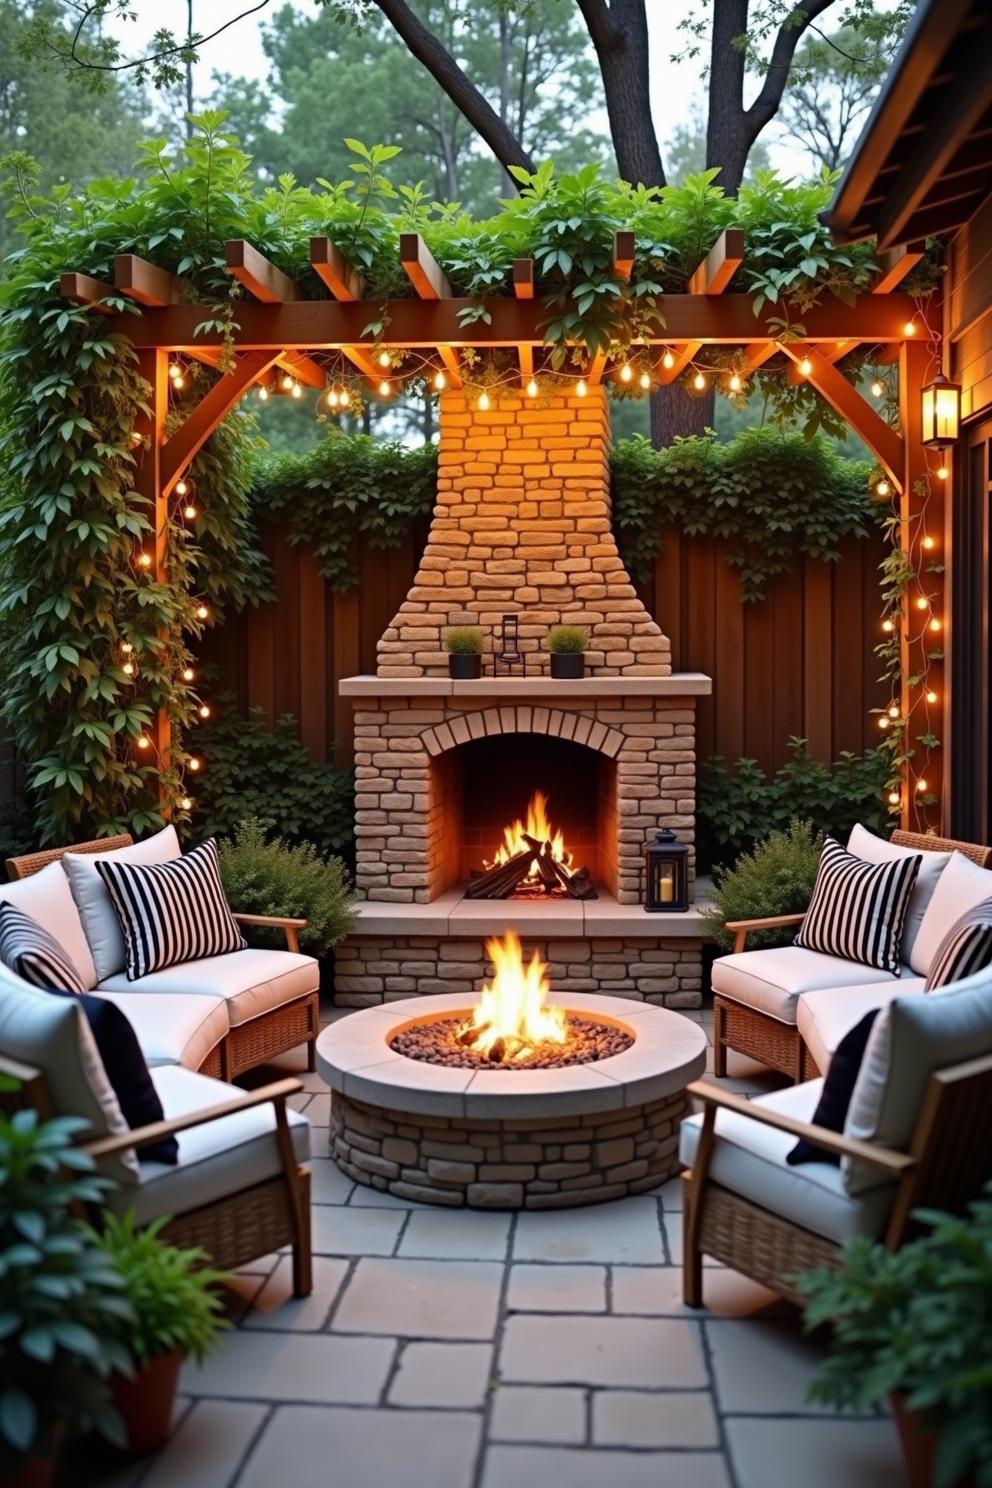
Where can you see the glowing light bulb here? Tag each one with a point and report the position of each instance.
(204, 710)
(805, 366)
(135, 437)
(126, 647)
(263, 395)
(385, 388)
(931, 696)
(483, 403)
(942, 472)
(202, 612)
(883, 722)
(581, 388)
(735, 382)
(193, 763)
(174, 371)
(532, 389)
(626, 372)
(185, 803)
(345, 398)
(144, 560)
(190, 512)
(668, 361)
(181, 488)
(128, 669)
(922, 603)
(179, 382)
(699, 382)
(887, 625)
(440, 381)
(332, 399)
(921, 786)
(894, 798)
(296, 391)
(909, 329)
(927, 542)
(188, 674)
(144, 742)
(893, 711)
(287, 382)
(935, 623)
(384, 359)
(883, 488)
(877, 388)
(645, 380)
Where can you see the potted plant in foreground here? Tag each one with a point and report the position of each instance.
(62, 1311)
(175, 1314)
(464, 644)
(567, 645)
(913, 1327)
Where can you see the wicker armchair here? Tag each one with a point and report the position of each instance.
(768, 1040)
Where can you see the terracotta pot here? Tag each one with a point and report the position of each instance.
(568, 664)
(464, 667)
(145, 1403)
(919, 1446)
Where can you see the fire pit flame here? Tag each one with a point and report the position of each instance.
(513, 1015)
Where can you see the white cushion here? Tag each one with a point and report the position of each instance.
(872, 849)
(47, 898)
(52, 1035)
(96, 911)
(772, 980)
(960, 887)
(251, 981)
(911, 1039)
(825, 1016)
(749, 1159)
(172, 1028)
(216, 1160)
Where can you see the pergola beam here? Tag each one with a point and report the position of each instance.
(757, 355)
(523, 278)
(884, 442)
(422, 268)
(895, 264)
(526, 354)
(83, 289)
(624, 244)
(146, 282)
(259, 276)
(720, 264)
(214, 406)
(330, 265)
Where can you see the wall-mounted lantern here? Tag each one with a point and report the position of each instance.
(941, 400)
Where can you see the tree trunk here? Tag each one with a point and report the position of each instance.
(676, 412)
(620, 36)
(727, 142)
(189, 70)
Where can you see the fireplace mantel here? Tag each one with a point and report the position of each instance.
(678, 684)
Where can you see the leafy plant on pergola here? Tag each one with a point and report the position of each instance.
(139, 314)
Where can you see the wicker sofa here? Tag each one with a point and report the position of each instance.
(788, 1008)
(221, 1015)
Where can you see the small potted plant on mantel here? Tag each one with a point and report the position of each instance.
(913, 1327)
(567, 645)
(464, 644)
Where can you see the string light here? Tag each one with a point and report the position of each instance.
(287, 382)
(384, 359)
(332, 399)
(893, 711)
(927, 542)
(922, 603)
(877, 388)
(626, 372)
(204, 710)
(699, 382)
(344, 398)
(668, 361)
(883, 488)
(942, 472)
(181, 488)
(188, 674)
(385, 388)
(931, 696)
(128, 669)
(135, 437)
(532, 389)
(202, 612)
(126, 647)
(144, 742)
(921, 786)
(805, 366)
(887, 625)
(263, 395)
(581, 388)
(190, 512)
(185, 803)
(883, 722)
(296, 391)
(645, 380)
(909, 329)
(935, 623)
(178, 382)
(483, 402)
(144, 560)
(174, 370)
(894, 798)
(440, 381)
(735, 382)
(194, 763)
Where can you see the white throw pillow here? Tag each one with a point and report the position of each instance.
(960, 887)
(47, 899)
(911, 1039)
(864, 844)
(51, 1034)
(96, 911)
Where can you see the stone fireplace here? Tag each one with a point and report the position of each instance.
(521, 527)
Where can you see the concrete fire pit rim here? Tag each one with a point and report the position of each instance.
(354, 1057)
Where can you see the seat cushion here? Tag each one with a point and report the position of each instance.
(252, 982)
(960, 887)
(172, 1027)
(47, 898)
(858, 909)
(912, 1039)
(34, 954)
(103, 932)
(750, 1160)
(864, 844)
(215, 1160)
(965, 949)
(826, 1015)
(772, 980)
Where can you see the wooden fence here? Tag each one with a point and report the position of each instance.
(798, 662)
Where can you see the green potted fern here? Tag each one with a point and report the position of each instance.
(175, 1314)
(464, 645)
(567, 646)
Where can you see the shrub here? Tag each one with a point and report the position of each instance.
(270, 877)
(777, 878)
(464, 640)
(172, 1296)
(567, 640)
(254, 771)
(736, 809)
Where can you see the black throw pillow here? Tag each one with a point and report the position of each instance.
(127, 1071)
(838, 1087)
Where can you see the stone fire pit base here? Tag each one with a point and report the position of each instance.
(527, 1164)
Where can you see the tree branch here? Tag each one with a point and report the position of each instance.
(765, 106)
(424, 45)
(605, 35)
(89, 65)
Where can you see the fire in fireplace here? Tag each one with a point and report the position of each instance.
(532, 860)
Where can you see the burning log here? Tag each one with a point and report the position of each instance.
(499, 882)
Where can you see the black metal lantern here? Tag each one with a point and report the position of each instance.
(666, 877)
(940, 407)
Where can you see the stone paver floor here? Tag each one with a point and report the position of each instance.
(448, 1349)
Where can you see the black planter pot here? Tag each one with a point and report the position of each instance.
(464, 667)
(568, 664)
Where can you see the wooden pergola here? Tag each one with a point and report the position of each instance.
(278, 326)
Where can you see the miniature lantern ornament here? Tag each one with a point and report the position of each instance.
(666, 878)
(941, 400)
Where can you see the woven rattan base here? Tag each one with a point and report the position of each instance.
(243, 1226)
(772, 1043)
(271, 1033)
(762, 1245)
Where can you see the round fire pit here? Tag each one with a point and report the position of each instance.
(516, 1135)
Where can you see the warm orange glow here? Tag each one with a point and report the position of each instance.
(645, 380)
(581, 388)
(887, 625)
(626, 372)
(883, 488)
(537, 825)
(193, 762)
(185, 803)
(877, 388)
(909, 329)
(532, 389)
(202, 612)
(735, 382)
(190, 512)
(928, 543)
(805, 366)
(513, 1008)
(144, 742)
(935, 623)
(204, 710)
(699, 382)
(894, 798)
(931, 696)
(668, 360)
(188, 674)
(144, 560)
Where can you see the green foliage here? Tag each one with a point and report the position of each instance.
(254, 771)
(768, 497)
(567, 640)
(776, 878)
(272, 877)
(737, 809)
(917, 1322)
(60, 1298)
(464, 640)
(171, 1294)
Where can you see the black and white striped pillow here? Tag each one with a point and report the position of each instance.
(171, 912)
(966, 948)
(858, 909)
(35, 956)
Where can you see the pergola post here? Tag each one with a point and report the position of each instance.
(921, 528)
(153, 366)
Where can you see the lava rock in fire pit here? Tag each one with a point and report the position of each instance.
(448, 1041)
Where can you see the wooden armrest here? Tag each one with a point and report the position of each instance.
(286, 923)
(278, 1092)
(740, 928)
(895, 1163)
